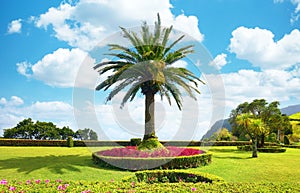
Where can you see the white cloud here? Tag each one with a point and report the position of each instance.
(219, 61)
(60, 68)
(88, 22)
(14, 110)
(247, 85)
(15, 26)
(258, 47)
(295, 15)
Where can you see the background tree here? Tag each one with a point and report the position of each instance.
(253, 127)
(27, 129)
(65, 132)
(86, 134)
(147, 67)
(269, 114)
(23, 130)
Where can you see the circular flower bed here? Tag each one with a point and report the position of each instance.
(166, 158)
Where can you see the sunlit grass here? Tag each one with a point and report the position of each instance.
(22, 163)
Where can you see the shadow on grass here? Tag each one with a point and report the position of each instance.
(55, 164)
(223, 150)
(232, 157)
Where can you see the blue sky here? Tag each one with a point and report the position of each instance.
(254, 44)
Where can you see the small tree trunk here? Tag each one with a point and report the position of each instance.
(254, 147)
(149, 116)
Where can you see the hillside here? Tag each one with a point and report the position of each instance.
(223, 123)
(290, 110)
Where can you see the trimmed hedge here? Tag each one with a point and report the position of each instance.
(59, 143)
(291, 146)
(270, 149)
(130, 163)
(172, 176)
(91, 143)
(142, 187)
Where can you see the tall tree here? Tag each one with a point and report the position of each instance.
(269, 114)
(147, 67)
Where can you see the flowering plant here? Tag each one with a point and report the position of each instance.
(132, 151)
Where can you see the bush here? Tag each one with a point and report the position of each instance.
(291, 146)
(70, 142)
(130, 163)
(270, 149)
(286, 140)
(135, 141)
(172, 176)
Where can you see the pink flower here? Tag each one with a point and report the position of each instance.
(11, 188)
(88, 191)
(59, 180)
(133, 184)
(3, 182)
(38, 181)
(194, 189)
(47, 181)
(59, 187)
(28, 182)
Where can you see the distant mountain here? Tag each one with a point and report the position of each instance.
(290, 110)
(218, 125)
(224, 123)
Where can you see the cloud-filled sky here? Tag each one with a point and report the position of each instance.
(47, 54)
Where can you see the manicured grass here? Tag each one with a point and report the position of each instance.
(53, 163)
(22, 163)
(238, 166)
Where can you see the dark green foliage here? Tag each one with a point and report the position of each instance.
(172, 176)
(86, 134)
(270, 115)
(135, 141)
(181, 162)
(286, 140)
(270, 149)
(70, 142)
(39, 130)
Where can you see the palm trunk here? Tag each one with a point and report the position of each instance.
(254, 147)
(149, 116)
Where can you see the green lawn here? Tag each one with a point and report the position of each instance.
(22, 163)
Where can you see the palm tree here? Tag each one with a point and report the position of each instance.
(254, 127)
(147, 67)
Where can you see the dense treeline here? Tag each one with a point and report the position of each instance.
(27, 129)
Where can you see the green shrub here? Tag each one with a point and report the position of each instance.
(268, 149)
(291, 146)
(70, 142)
(150, 144)
(55, 186)
(135, 141)
(172, 176)
(286, 140)
(129, 163)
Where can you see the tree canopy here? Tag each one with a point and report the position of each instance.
(27, 129)
(147, 67)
